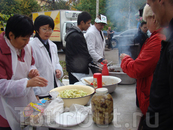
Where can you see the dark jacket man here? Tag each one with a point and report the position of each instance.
(161, 93)
(77, 55)
(141, 36)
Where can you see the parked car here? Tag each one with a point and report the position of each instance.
(106, 38)
(124, 38)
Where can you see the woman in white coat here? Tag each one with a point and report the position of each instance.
(17, 71)
(46, 55)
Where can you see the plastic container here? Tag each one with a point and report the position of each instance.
(102, 107)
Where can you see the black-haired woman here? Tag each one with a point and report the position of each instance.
(46, 55)
(17, 71)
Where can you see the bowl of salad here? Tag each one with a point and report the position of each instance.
(74, 94)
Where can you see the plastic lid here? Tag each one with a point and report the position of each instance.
(101, 90)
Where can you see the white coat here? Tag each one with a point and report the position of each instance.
(95, 43)
(14, 94)
(45, 66)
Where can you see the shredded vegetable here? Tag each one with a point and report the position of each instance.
(72, 93)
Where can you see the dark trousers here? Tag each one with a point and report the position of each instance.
(137, 102)
(110, 44)
(165, 122)
(72, 79)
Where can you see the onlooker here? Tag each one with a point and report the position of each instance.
(17, 71)
(96, 41)
(142, 68)
(46, 55)
(110, 35)
(141, 36)
(77, 55)
(160, 111)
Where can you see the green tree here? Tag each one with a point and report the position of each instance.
(9, 7)
(54, 5)
(3, 19)
(29, 6)
(90, 7)
(25, 7)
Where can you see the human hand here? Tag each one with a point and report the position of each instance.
(122, 56)
(58, 73)
(33, 73)
(105, 61)
(37, 81)
(37, 97)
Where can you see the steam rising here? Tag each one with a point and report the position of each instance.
(122, 13)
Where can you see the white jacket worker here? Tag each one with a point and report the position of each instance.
(46, 55)
(95, 39)
(16, 66)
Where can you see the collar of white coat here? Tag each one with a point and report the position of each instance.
(97, 30)
(40, 43)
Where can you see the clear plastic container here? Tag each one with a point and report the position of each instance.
(102, 107)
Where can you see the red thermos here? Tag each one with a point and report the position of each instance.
(98, 78)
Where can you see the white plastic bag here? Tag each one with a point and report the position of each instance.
(56, 107)
(76, 115)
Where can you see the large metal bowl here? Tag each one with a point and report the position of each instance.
(80, 100)
(110, 82)
(123, 76)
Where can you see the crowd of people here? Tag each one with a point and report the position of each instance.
(29, 71)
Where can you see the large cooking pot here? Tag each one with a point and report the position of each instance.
(116, 71)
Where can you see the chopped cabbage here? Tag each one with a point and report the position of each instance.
(72, 93)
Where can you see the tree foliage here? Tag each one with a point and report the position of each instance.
(3, 19)
(29, 6)
(54, 4)
(25, 7)
(9, 7)
(90, 6)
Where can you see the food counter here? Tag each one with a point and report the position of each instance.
(126, 115)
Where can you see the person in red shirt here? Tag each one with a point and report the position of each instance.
(17, 71)
(142, 68)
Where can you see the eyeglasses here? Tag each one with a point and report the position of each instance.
(46, 30)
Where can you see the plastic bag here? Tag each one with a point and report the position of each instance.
(56, 107)
(76, 115)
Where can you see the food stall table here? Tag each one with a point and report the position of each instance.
(126, 115)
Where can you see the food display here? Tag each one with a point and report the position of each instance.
(113, 70)
(72, 93)
(95, 84)
(102, 107)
